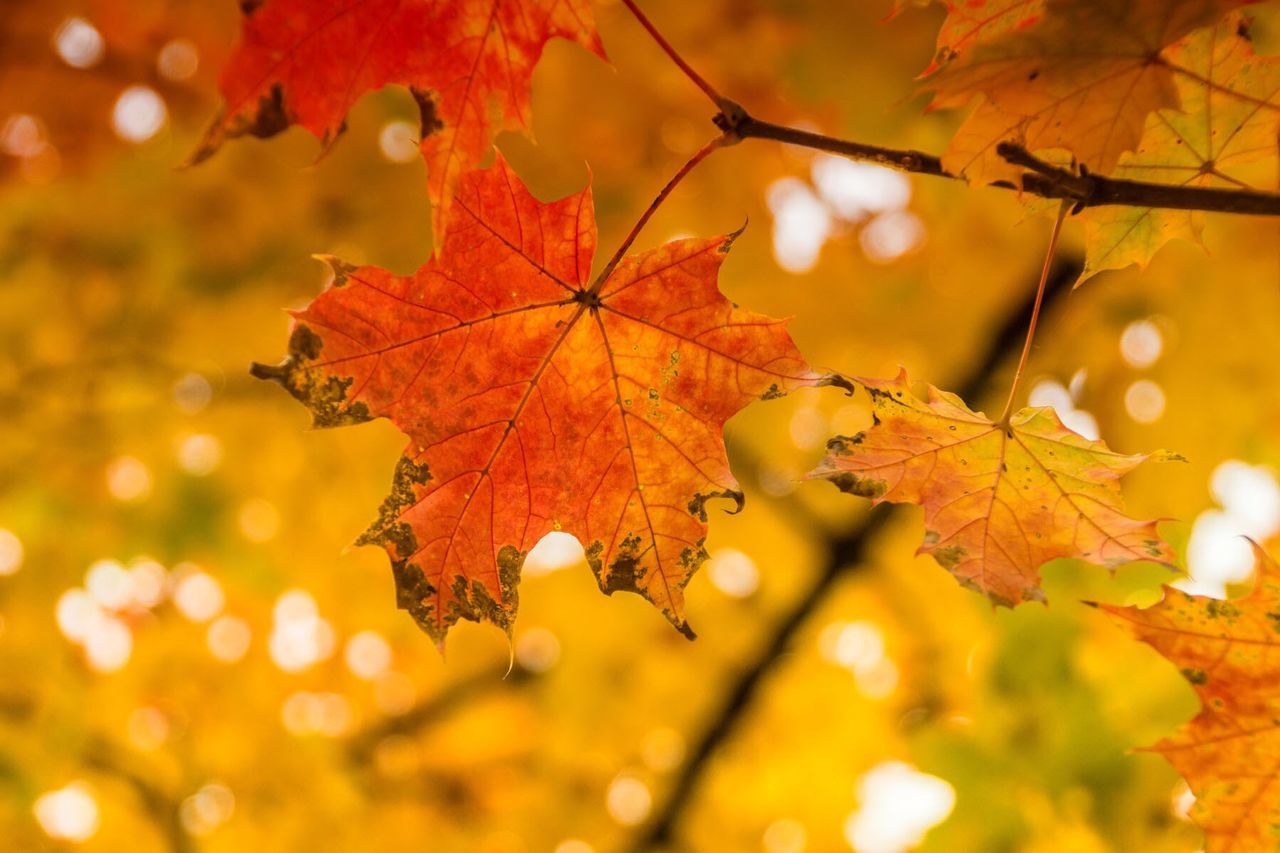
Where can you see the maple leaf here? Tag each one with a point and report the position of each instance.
(469, 64)
(1227, 753)
(1082, 76)
(1000, 500)
(1229, 119)
(535, 401)
(971, 22)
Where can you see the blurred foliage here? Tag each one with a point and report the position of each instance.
(133, 297)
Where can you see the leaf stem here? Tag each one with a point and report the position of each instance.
(694, 76)
(1035, 313)
(698, 157)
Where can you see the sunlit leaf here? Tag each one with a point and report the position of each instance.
(1229, 119)
(535, 400)
(1000, 500)
(1083, 77)
(1228, 753)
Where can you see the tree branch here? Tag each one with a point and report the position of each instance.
(1041, 179)
(845, 554)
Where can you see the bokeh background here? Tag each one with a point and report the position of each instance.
(192, 656)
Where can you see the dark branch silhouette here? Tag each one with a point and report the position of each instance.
(1040, 179)
(844, 554)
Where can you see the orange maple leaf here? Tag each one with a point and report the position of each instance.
(537, 401)
(1082, 76)
(972, 22)
(469, 64)
(1000, 500)
(1227, 753)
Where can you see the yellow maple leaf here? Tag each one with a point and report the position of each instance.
(1229, 119)
(1227, 753)
(1082, 77)
(1000, 499)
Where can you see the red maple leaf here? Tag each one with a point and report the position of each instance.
(469, 64)
(536, 399)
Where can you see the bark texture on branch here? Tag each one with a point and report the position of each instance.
(1040, 179)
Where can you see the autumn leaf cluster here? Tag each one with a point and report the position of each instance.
(542, 380)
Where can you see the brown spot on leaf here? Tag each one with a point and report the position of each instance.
(324, 394)
(851, 483)
(428, 111)
(1195, 676)
(409, 475)
(950, 556)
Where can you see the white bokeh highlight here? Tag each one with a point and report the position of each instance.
(1218, 553)
(1141, 344)
(11, 553)
(398, 142)
(1062, 399)
(733, 572)
(299, 637)
(859, 648)
(139, 114)
(854, 191)
(557, 550)
(898, 805)
(78, 43)
(801, 224)
(69, 813)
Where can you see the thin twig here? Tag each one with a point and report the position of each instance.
(1080, 186)
(693, 161)
(1035, 313)
(749, 127)
(670, 51)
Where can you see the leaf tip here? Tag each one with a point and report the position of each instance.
(341, 269)
(729, 239)
(836, 380)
